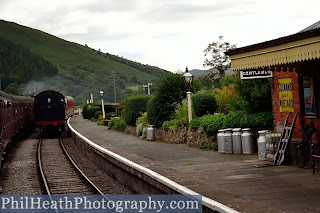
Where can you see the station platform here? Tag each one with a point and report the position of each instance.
(226, 178)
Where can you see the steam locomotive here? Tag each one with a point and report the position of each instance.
(16, 115)
(51, 110)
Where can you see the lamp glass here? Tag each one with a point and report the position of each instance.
(101, 93)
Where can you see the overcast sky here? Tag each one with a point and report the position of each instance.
(170, 34)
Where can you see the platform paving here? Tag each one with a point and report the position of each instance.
(227, 178)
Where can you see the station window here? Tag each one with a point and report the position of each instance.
(309, 96)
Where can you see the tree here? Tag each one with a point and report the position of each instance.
(13, 89)
(169, 92)
(216, 58)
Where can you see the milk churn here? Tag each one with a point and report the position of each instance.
(228, 147)
(262, 148)
(247, 141)
(220, 138)
(150, 133)
(236, 141)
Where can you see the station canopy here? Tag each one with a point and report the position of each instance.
(301, 46)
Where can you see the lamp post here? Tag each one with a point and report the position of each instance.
(188, 77)
(103, 113)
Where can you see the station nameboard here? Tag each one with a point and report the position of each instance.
(255, 74)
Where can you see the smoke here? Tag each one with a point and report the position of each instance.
(48, 83)
(33, 88)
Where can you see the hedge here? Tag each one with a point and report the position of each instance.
(134, 106)
(96, 114)
(212, 123)
(85, 111)
(92, 110)
(203, 103)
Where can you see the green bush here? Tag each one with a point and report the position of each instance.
(139, 129)
(133, 107)
(181, 113)
(96, 114)
(235, 119)
(171, 125)
(109, 114)
(144, 132)
(152, 112)
(85, 111)
(203, 103)
(117, 124)
(212, 123)
(195, 123)
(92, 110)
(168, 92)
(100, 123)
(143, 119)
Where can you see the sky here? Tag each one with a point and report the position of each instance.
(170, 34)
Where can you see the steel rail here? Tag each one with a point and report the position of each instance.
(78, 169)
(44, 180)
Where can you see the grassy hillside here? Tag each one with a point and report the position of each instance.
(82, 70)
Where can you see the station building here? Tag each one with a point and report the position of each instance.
(293, 65)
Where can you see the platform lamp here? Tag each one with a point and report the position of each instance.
(103, 113)
(188, 77)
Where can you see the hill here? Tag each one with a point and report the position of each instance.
(82, 70)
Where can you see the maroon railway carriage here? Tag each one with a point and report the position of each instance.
(16, 112)
(51, 110)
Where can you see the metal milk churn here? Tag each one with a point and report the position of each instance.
(236, 141)
(150, 133)
(220, 138)
(262, 145)
(247, 141)
(228, 147)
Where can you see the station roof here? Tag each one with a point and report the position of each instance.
(304, 45)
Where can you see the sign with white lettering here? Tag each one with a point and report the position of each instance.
(285, 89)
(255, 74)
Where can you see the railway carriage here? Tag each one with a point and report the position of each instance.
(52, 109)
(16, 113)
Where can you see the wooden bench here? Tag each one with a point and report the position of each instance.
(314, 158)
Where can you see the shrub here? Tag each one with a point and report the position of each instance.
(134, 106)
(212, 123)
(181, 113)
(195, 123)
(235, 119)
(215, 123)
(203, 145)
(168, 92)
(223, 97)
(144, 132)
(139, 129)
(92, 110)
(100, 123)
(85, 111)
(171, 125)
(142, 120)
(152, 112)
(203, 103)
(109, 114)
(96, 114)
(117, 124)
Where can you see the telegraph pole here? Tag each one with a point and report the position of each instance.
(148, 85)
(114, 92)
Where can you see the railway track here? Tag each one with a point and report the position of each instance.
(59, 173)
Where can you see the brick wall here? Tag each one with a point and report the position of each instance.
(280, 117)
